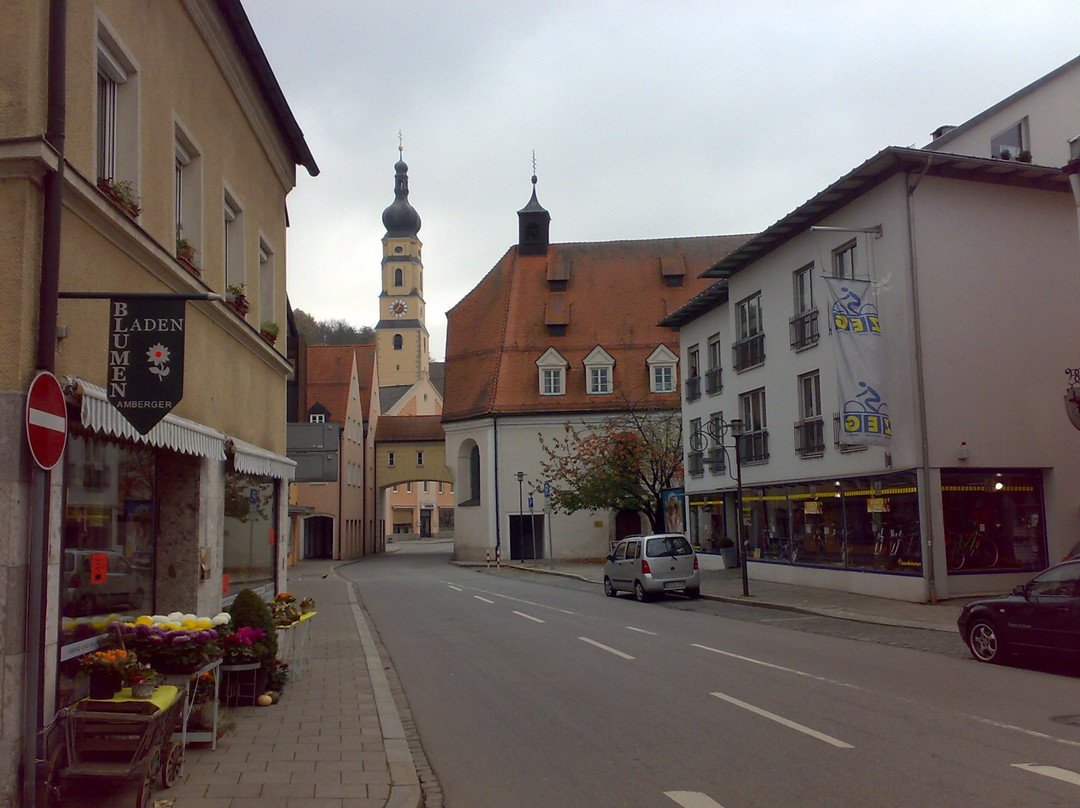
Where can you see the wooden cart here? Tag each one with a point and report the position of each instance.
(119, 739)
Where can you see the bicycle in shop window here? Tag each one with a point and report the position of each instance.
(971, 551)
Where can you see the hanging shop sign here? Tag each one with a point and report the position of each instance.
(146, 358)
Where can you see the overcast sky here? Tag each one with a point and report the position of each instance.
(648, 119)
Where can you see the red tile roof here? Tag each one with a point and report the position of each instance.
(406, 428)
(615, 295)
(329, 373)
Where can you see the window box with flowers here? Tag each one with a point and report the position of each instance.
(122, 194)
(235, 297)
(185, 254)
(269, 331)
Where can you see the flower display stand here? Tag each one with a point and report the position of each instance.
(294, 644)
(243, 683)
(187, 683)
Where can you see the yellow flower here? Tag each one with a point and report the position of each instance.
(144, 620)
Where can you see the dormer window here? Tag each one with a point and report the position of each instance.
(599, 365)
(552, 373)
(1012, 143)
(662, 363)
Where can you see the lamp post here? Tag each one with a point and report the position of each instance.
(521, 518)
(715, 431)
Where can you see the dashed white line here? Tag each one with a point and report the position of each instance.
(1033, 733)
(455, 588)
(775, 667)
(529, 617)
(483, 599)
(813, 733)
(1064, 775)
(692, 799)
(607, 648)
(653, 634)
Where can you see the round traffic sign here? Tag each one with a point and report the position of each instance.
(46, 420)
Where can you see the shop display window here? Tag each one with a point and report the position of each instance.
(250, 535)
(993, 520)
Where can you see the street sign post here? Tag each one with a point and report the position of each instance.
(46, 420)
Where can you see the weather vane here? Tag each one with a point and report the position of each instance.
(534, 166)
(400, 141)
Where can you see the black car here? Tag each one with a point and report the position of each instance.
(1044, 613)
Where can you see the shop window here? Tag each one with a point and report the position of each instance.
(993, 521)
(250, 533)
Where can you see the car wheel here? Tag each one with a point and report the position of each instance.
(609, 590)
(984, 642)
(639, 592)
(694, 593)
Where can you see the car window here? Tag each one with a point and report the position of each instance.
(620, 551)
(1056, 582)
(669, 545)
(633, 550)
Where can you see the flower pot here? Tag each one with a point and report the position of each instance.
(142, 690)
(104, 684)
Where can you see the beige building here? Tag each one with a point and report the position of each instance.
(159, 165)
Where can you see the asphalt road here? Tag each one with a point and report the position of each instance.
(530, 691)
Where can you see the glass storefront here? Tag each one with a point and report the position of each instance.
(994, 520)
(251, 509)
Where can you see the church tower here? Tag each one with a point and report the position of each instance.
(401, 336)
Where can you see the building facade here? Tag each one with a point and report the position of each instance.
(158, 165)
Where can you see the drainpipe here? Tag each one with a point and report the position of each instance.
(1072, 168)
(37, 555)
(495, 473)
(925, 512)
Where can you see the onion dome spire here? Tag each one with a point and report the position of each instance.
(401, 219)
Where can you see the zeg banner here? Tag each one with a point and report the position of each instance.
(860, 362)
(146, 358)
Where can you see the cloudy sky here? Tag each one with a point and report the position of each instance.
(648, 119)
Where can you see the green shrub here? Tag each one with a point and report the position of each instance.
(250, 610)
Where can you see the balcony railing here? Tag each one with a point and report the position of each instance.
(717, 461)
(713, 384)
(804, 329)
(838, 437)
(695, 464)
(693, 388)
(748, 353)
(810, 437)
(754, 446)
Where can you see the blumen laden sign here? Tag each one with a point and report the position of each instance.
(146, 358)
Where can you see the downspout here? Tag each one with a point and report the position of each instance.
(495, 471)
(37, 555)
(925, 514)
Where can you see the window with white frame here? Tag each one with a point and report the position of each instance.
(693, 373)
(390, 459)
(754, 443)
(749, 348)
(810, 428)
(116, 149)
(662, 362)
(598, 367)
(844, 260)
(266, 283)
(419, 458)
(188, 196)
(552, 373)
(317, 418)
(234, 242)
(712, 372)
(804, 324)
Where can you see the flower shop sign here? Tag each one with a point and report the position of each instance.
(146, 358)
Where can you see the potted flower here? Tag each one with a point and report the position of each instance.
(728, 553)
(175, 643)
(244, 646)
(122, 193)
(307, 605)
(185, 254)
(141, 678)
(107, 670)
(269, 331)
(235, 297)
(245, 682)
(284, 609)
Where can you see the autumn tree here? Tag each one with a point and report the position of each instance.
(331, 332)
(624, 463)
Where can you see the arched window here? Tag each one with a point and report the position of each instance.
(474, 475)
(399, 277)
(397, 342)
(468, 469)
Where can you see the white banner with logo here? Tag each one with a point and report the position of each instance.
(860, 361)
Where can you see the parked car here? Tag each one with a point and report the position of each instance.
(651, 565)
(1044, 613)
(122, 587)
(1073, 553)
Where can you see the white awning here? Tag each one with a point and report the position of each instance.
(172, 432)
(251, 459)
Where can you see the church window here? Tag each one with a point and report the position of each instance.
(397, 342)
(399, 277)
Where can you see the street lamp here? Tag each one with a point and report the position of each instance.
(716, 430)
(521, 518)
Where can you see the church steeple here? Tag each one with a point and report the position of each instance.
(533, 224)
(401, 219)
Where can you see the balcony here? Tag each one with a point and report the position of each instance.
(754, 446)
(713, 383)
(717, 461)
(810, 437)
(695, 464)
(748, 353)
(804, 330)
(693, 388)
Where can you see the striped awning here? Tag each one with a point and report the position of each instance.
(172, 432)
(250, 459)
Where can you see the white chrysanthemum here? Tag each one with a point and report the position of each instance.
(222, 619)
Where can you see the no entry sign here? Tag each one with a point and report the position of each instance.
(46, 420)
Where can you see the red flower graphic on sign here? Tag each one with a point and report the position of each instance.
(158, 356)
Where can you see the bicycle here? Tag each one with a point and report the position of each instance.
(975, 548)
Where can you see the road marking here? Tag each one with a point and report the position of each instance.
(790, 619)
(605, 648)
(1050, 771)
(1033, 733)
(653, 633)
(483, 599)
(776, 667)
(813, 733)
(692, 799)
(455, 588)
(517, 600)
(529, 617)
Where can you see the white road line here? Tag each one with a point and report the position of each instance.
(653, 633)
(1033, 733)
(605, 648)
(455, 588)
(1050, 771)
(692, 799)
(813, 733)
(483, 599)
(776, 667)
(518, 600)
(529, 617)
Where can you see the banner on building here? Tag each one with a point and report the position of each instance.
(146, 358)
(860, 361)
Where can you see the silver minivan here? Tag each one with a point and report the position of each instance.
(652, 565)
